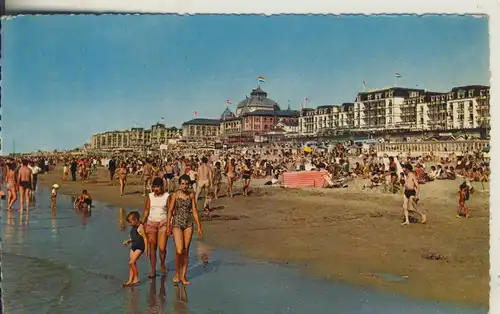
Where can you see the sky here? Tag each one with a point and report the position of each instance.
(65, 78)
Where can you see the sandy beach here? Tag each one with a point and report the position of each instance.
(346, 235)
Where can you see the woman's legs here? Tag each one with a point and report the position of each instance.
(187, 235)
(162, 246)
(122, 186)
(152, 239)
(216, 190)
(230, 186)
(13, 197)
(179, 249)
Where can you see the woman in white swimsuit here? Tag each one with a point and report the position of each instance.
(155, 220)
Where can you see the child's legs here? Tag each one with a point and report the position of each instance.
(134, 255)
(405, 208)
(131, 269)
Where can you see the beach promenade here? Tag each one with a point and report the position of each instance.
(346, 235)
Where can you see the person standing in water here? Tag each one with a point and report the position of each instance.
(182, 210)
(25, 183)
(139, 241)
(155, 221)
(12, 186)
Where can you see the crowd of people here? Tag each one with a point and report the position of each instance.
(173, 182)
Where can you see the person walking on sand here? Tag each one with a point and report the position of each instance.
(217, 171)
(73, 168)
(146, 176)
(230, 171)
(65, 172)
(25, 183)
(182, 210)
(111, 169)
(246, 170)
(411, 196)
(122, 177)
(205, 178)
(155, 221)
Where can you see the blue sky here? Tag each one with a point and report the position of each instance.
(67, 77)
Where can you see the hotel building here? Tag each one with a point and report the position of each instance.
(464, 107)
(135, 138)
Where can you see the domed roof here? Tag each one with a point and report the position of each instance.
(227, 114)
(258, 98)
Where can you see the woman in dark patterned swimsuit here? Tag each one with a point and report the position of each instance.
(182, 211)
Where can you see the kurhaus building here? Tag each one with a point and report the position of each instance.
(464, 107)
(255, 115)
(135, 138)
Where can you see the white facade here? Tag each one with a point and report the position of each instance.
(464, 107)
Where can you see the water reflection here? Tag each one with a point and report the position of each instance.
(242, 286)
(132, 301)
(24, 218)
(121, 219)
(53, 222)
(156, 302)
(203, 252)
(181, 300)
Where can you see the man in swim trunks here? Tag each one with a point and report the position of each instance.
(411, 196)
(147, 176)
(205, 178)
(25, 183)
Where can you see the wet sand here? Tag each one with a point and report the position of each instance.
(346, 235)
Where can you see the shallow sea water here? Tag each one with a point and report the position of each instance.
(69, 263)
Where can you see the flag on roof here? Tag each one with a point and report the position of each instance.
(195, 113)
(261, 79)
(229, 102)
(398, 75)
(306, 99)
(162, 118)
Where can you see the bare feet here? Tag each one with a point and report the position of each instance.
(458, 216)
(424, 219)
(164, 269)
(176, 279)
(151, 276)
(405, 223)
(185, 282)
(131, 283)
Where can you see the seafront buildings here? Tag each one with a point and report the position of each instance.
(259, 118)
(135, 138)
